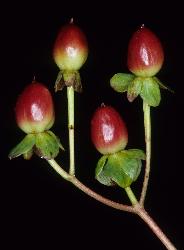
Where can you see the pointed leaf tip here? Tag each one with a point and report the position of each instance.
(23, 147)
(163, 86)
(57, 139)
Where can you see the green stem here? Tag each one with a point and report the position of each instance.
(131, 196)
(59, 169)
(147, 127)
(70, 96)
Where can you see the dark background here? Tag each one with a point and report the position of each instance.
(40, 209)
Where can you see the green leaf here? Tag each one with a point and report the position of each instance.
(99, 173)
(23, 147)
(122, 169)
(135, 153)
(47, 145)
(57, 139)
(150, 92)
(120, 81)
(163, 86)
(28, 155)
(134, 89)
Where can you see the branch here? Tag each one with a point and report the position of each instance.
(87, 190)
(136, 208)
(141, 212)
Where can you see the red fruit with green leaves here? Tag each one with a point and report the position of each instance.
(35, 116)
(71, 48)
(145, 53)
(108, 130)
(34, 109)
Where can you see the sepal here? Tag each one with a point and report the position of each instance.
(68, 78)
(150, 92)
(121, 168)
(120, 81)
(99, 172)
(135, 153)
(47, 145)
(163, 86)
(147, 87)
(28, 155)
(24, 147)
(134, 89)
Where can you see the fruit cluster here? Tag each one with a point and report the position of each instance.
(35, 109)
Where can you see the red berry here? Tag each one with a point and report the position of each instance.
(145, 53)
(108, 130)
(34, 109)
(71, 48)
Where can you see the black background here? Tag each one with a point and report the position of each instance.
(40, 209)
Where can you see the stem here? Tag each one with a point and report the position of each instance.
(141, 212)
(59, 169)
(70, 96)
(87, 190)
(131, 196)
(100, 198)
(154, 227)
(136, 208)
(147, 127)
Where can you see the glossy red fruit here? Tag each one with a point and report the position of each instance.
(145, 53)
(108, 130)
(34, 109)
(71, 48)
